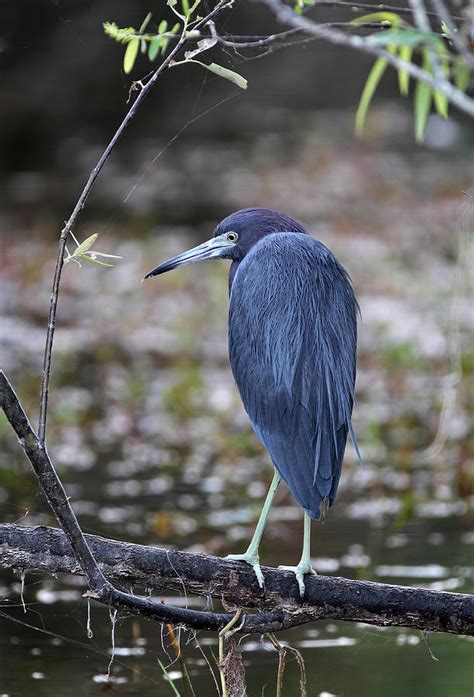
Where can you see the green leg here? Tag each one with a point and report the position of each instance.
(304, 566)
(251, 555)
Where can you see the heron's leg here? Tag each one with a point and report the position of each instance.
(304, 566)
(251, 555)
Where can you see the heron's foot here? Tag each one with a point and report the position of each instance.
(300, 571)
(254, 561)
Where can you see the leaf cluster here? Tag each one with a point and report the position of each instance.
(84, 252)
(156, 44)
(135, 40)
(407, 42)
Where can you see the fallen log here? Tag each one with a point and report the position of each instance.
(170, 571)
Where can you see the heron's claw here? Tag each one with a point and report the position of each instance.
(254, 561)
(300, 571)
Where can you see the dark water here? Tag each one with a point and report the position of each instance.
(148, 433)
(46, 649)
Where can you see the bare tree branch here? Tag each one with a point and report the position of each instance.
(287, 16)
(47, 549)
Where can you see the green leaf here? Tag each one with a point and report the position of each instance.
(227, 74)
(405, 53)
(185, 5)
(370, 86)
(102, 254)
(84, 252)
(441, 104)
(92, 260)
(163, 26)
(123, 35)
(462, 75)
(154, 47)
(390, 18)
(86, 245)
(404, 37)
(422, 104)
(301, 4)
(444, 59)
(165, 42)
(440, 101)
(145, 23)
(131, 54)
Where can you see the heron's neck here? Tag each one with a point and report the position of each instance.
(232, 271)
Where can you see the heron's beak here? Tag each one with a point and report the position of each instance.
(211, 249)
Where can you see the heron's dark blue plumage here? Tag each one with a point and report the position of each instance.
(292, 345)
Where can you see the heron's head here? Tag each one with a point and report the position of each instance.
(234, 237)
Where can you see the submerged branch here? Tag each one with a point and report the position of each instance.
(279, 607)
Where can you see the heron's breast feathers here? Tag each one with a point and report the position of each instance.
(292, 345)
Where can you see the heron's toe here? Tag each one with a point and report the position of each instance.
(300, 572)
(254, 561)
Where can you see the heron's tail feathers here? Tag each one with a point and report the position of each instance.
(355, 443)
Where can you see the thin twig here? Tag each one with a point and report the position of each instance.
(53, 307)
(422, 22)
(222, 637)
(355, 6)
(454, 35)
(234, 41)
(287, 16)
(282, 651)
(273, 40)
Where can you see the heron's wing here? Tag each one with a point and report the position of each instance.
(292, 346)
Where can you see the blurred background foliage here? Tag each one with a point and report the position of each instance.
(147, 429)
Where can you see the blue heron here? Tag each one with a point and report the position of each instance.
(292, 349)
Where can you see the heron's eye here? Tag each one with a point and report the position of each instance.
(232, 236)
